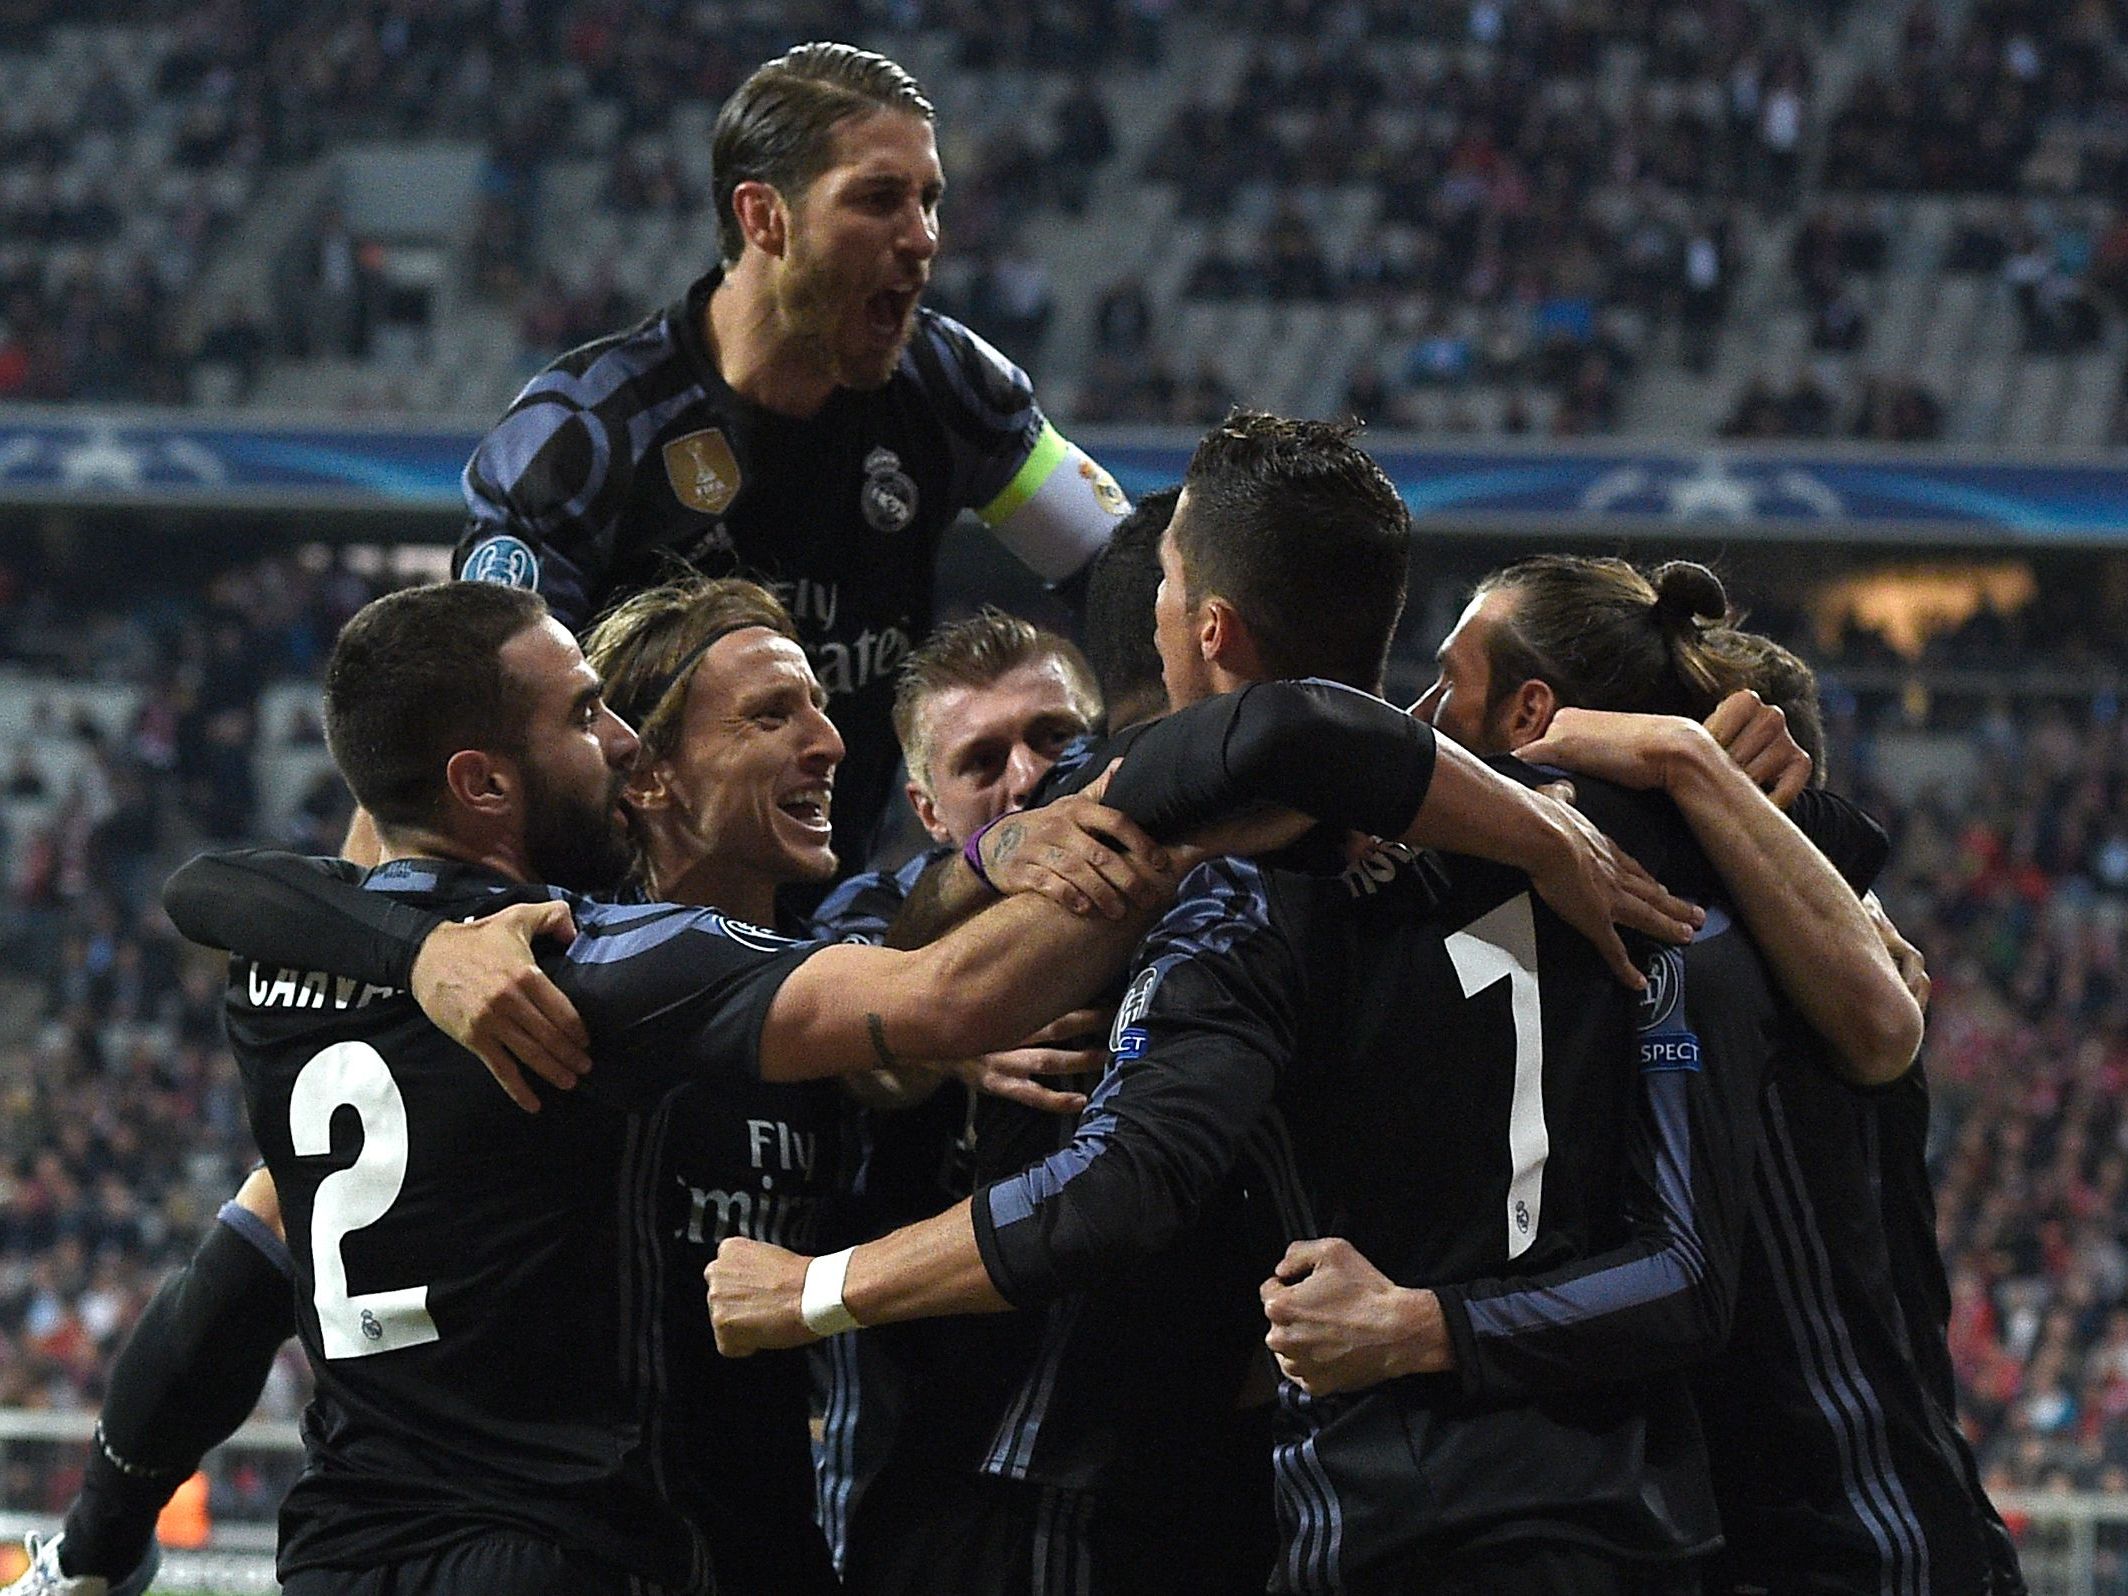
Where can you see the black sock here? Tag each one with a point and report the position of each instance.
(190, 1373)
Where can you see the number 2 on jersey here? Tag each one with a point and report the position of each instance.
(1502, 945)
(354, 1075)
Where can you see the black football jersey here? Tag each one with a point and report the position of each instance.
(630, 460)
(1415, 1055)
(1839, 1467)
(480, 1290)
(910, 1401)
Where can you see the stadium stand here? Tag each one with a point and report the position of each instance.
(136, 734)
(1465, 219)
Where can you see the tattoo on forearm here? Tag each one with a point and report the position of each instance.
(880, 1050)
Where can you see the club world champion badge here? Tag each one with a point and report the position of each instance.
(703, 471)
(888, 497)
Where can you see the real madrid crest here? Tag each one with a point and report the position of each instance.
(888, 497)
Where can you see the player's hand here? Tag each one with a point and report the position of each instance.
(1631, 750)
(1340, 1324)
(1077, 1044)
(1906, 958)
(1596, 886)
(1755, 736)
(755, 1292)
(1080, 853)
(478, 984)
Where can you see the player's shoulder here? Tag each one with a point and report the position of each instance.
(1081, 763)
(1645, 824)
(611, 369)
(861, 907)
(1222, 906)
(609, 932)
(965, 376)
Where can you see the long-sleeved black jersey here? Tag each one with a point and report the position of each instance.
(1838, 1463)
(631, 459)
(1427, 1063)
(479, 1289)
(1839, 1474)
(1908, 1203)
(728, 1155)
(912, 1399)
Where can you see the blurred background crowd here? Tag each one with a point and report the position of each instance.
(1758, 217)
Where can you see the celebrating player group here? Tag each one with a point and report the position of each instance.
(1271, 1140)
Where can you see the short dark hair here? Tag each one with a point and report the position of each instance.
(1120, 591)
(974, 652)
(1604, 635)
(1782, 679)
(778, 126)
(413, 678)
(1295, 526)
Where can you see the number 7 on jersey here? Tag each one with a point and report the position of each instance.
(1502, 945)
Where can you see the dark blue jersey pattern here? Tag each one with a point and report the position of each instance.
(1838, 1463)
(1421, 1059)
(480, 1290)
(630, 460)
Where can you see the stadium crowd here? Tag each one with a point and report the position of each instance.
(124, 1121)
(1572, 207)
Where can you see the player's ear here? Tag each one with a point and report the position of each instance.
(1226, 642)
(927, 813)
(1530, 712)
(481, 783)
(763, 217)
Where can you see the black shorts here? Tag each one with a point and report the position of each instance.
(494, 1565)
(975, 1535)
(1533, 1568)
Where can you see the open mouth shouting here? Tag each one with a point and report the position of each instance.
(812, 808)
(888, 311)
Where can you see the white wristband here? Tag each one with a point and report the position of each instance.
(820, 1298)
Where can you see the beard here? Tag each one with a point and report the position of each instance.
(816, 300)
(575, 843)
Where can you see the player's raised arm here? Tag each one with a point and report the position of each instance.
(1350, 759)
(1808, 921)
(1161, 1132)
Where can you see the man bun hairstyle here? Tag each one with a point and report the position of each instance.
(415, 677)
(778, 126)
(1604, 635)
(1687, 595)
(1293, 524)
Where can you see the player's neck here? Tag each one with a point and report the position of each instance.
(754, 353)
(504, 856)
(707, 884)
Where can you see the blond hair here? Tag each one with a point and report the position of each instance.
(975, 653)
